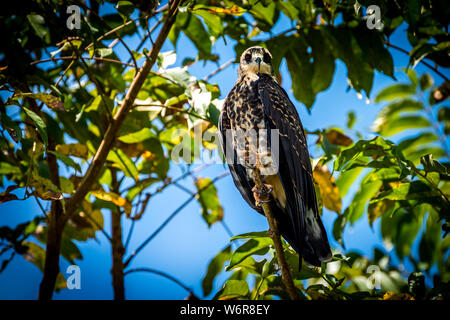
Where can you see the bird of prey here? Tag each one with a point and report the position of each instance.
(257, 103)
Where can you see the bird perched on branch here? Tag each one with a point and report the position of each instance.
(260, 129)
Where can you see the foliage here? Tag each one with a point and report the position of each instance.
(64, 92)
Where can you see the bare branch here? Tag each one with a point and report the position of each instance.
(222, 67)
(422, 61)
(163, 274)
(81, 57)
(171, 216)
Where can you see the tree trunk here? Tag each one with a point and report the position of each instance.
(56, 223)
(117, 254)
(55, 228)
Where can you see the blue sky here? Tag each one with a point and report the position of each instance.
(185, 247)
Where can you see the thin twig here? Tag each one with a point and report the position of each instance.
(81, 57)
(222, 67)
(163, 274)
(117, 35)
(422, 61)
(169, 218)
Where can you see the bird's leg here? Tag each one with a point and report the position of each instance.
(261, 193)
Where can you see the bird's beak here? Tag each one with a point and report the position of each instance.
(258, 60)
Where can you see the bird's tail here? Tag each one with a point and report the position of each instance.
(304, 231)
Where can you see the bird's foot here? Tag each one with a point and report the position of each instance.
(261, 193)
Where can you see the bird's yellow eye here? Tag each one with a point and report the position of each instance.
(248, 57)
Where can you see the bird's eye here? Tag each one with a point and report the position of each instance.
(267, 58)
(248, 57)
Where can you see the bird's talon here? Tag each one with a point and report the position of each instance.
(262, 193)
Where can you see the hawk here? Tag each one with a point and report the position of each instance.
(257, 103)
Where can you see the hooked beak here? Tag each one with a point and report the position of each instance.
(258, 60)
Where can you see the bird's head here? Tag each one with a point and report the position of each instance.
(255, 60)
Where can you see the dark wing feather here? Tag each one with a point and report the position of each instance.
(237, 171)
(309, 235)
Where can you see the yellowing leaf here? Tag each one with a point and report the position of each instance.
(328, 190)
(51, 101)
(74, 149)
(338, 138)
(114, 198)
(234, 10)
(397, 296)
(147, 155)
(376, 209)
(212, 211)
(44, 188)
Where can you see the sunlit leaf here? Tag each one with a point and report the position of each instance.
(328, 191)
(212, 211)
(215, 267)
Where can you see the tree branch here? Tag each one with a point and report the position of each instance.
(81, 57)
(222, 67)
(105, 146)
(163, 274)
(169, 218)
(276, 237)
(421, 61)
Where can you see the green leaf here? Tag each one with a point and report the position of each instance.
(429, 243)
(251, 235)
(323, 61)
(301, 71)
(66, 160)
(392, 110)
(256, 246)
(140, 186)
(358, 205)
(40, 124)
(346, 180)
(212, 21)
(363, 148)
(395, 91)
(410, 144)
(414, 8)
(38, 24)
(124, 163)
(426, 82)
(196, 32)
(444, 115)
(13, 129)
(137, 136)
(351, 119)
(103, 52)
(345, 47)
(373, 48)
(408, 191)
(233, 289)
(215, 267)
(378, 208)
(212, 211)
(403, 123)
(125, 8)
(408, 227)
